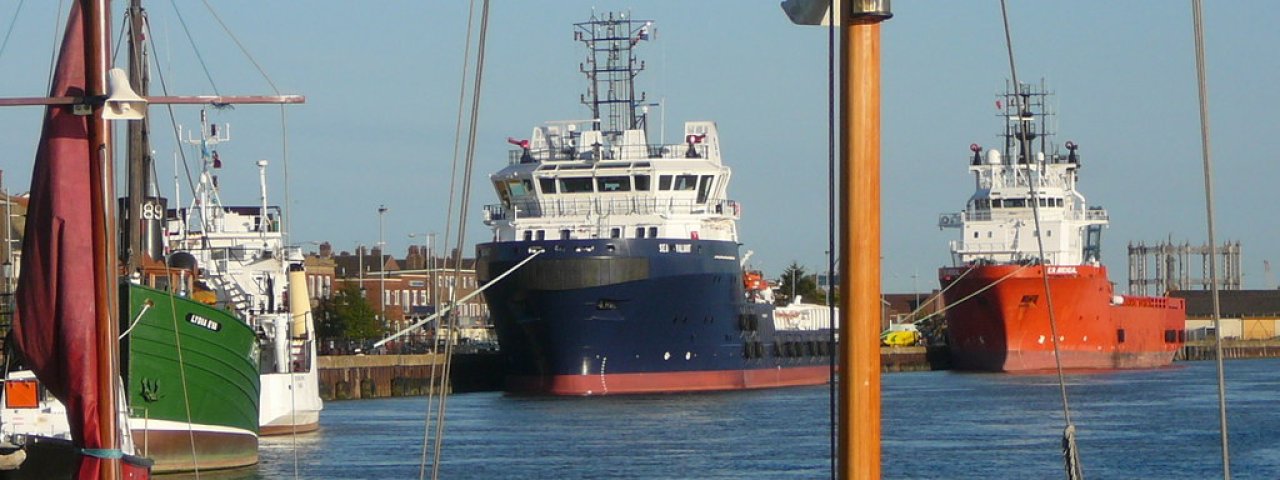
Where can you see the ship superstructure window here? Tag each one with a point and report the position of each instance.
(615, 232)
(520, 188)
(704, 188)
(575, 185)
(642, 183)
(1015, 203)
(664, 182)
(528, 235)
(639, 232)
(613, 184)
(686, 182)
(548, 185)
(564, 234)
(542, 235)
(653, 232)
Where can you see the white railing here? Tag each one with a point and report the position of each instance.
(631, 205)
(610, 152)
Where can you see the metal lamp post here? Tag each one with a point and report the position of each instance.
(382, 275)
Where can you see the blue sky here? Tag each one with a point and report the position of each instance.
(381, 80)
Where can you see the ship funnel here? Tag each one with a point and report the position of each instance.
(122, 103)
(299, 303)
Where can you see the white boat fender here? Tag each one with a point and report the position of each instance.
(11, 457)
(1117, 300)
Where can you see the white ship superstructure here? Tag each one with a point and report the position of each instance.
(571, 181)
(998, 223)
(248, 267)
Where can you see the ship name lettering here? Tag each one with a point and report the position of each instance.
(1062, 270)
(204, 322)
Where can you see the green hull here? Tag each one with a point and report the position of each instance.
(218, 360)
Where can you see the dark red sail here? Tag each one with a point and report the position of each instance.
(55, 327)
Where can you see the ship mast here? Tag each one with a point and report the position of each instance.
(97, 55)
(139, 173)
(611, 69)
(858, 431)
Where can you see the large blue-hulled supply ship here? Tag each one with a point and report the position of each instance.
(638, 284)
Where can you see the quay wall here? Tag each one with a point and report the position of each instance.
(1231, 350)
(350, 377)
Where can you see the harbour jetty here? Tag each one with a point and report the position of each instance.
(350, 377)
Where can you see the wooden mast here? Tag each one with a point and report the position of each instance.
(859, 404)
(858, 431)
(138, 154)
(97, 54)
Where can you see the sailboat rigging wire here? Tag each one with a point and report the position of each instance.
(12, 22)
(53, 53)
(1071, 453)
(182, 372)
(243, 50)
(191, 40)
(448, 230)
(1202, 89)
(974, 294)
(832, 173)
(468, 165)
(123, 27)
(284, 123)
(173, 123)
(930, 299)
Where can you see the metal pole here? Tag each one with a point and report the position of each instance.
(382, 275)
(859, 428)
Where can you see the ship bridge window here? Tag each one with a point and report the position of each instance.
(613, 184)
(997, 203)
(686, 182)
(519, 188)
(1015, 203)
(664, 182)
(575, 185)
(704, 188)
(642, 183)
(548, 184)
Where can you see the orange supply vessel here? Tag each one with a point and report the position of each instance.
(998, 314)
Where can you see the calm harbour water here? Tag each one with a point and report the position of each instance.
(1144, 424)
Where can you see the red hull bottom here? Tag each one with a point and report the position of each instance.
(1019, 361)
(670, 382)
(998, 319)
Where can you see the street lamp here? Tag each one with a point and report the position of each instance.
(382, 275)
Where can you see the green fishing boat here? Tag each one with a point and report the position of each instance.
(191, 374)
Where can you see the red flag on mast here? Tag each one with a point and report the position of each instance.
(55, 328)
